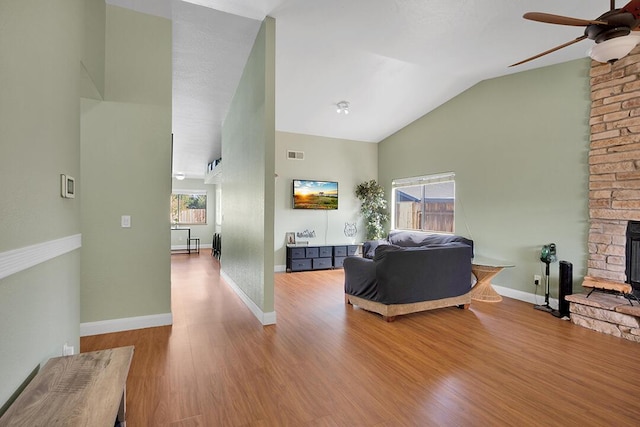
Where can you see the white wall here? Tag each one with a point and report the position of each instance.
(325, 159)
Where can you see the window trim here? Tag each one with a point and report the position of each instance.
(422, 180)
(194, 192)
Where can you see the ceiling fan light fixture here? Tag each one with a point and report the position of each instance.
(343, 107)
(613, 49)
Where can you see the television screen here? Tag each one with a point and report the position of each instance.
(315, 194)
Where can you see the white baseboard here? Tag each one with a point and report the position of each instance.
(264, 318)
(125, 324)
(279, 268)
(524, 296)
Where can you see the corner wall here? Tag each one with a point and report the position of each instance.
(248, 143)
(41, 49)
(518, 146)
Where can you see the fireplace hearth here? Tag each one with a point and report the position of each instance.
(632, 253)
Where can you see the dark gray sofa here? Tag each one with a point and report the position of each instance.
(409, 272)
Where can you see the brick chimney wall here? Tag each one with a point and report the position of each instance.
(614, 163)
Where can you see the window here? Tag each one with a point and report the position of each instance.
(424, 203)
(189, 207)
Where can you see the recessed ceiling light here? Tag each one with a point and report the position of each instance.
(179, 176)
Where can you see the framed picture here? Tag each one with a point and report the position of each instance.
(290, 238)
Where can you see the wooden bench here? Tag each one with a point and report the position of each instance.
(605, 285)
(88, 389)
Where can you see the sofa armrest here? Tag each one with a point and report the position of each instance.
(369, 247)
(360, 277)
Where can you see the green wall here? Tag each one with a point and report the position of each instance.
(40, 51)
(519, 148)
(126, 149)
(125, 271)
(93, 54)
(137, 58)
(248, 141)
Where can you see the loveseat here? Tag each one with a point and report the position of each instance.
(410, 271)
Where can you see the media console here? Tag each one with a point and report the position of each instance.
(318, 257)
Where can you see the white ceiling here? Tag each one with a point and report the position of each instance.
(393, 60)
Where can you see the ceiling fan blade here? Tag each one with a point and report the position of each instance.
(550, 50)
(549, 18)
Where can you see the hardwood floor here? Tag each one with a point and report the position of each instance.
(328, 364)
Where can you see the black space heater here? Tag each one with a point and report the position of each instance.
(565, 288)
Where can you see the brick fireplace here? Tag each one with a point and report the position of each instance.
(614, 163)
(614, 193)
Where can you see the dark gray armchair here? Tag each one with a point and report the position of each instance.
(416, 277)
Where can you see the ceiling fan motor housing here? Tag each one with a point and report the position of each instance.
(619, 24)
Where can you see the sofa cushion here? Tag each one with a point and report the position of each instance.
(419, 238)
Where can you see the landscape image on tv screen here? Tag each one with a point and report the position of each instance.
(315, 194)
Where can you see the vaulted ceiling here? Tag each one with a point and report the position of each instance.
(392, 60)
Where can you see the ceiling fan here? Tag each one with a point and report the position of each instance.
(611, 31)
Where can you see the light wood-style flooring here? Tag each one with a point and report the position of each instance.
(328, 364)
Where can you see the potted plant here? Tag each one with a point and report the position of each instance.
(373, 207)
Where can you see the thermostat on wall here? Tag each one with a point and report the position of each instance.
(67, 186)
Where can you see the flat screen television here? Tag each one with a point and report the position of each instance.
(309, 194)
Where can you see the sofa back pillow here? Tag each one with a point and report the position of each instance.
(383, 250)
(419, 238)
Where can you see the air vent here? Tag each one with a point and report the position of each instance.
(295, 155)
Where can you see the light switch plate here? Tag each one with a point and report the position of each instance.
(125, 221)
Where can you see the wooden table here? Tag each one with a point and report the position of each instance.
(486, 269)
(88, 389)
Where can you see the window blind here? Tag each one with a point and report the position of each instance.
(190, 192)
(421, 180)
